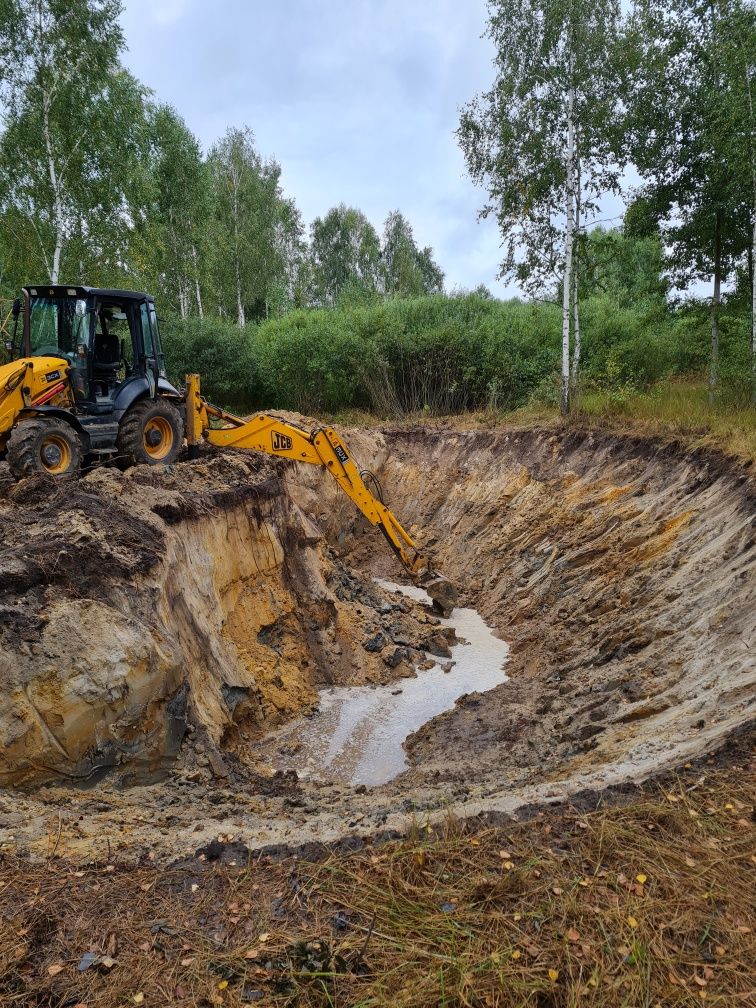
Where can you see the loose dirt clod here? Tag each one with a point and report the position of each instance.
(162, 621)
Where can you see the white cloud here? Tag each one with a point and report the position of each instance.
(357, 99)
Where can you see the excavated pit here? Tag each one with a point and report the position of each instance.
(159, 627)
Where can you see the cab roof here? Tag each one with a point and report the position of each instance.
(77, 290)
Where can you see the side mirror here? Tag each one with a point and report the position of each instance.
(16, 307)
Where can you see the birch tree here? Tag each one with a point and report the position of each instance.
(407, 270)
(346, 256)
(171, 252)
(690, 133)
(73, 146)
(543, 141)
(255, 233)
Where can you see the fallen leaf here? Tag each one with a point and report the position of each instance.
(557, 891)
(504, 855)
(195, 887)
(573, 935)
(517, 917)
(632, 922)
(223, 984)
(720, 950)
(251, 953)
(553, 975)
(509, 865)
(699, 980)
(138, 998)
(474, 842)
(187, 962)
(641, 878)
(55, 969)
(516, 954)
(263, 938)
(107, 961)
(690, 862)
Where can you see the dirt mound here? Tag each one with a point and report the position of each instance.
(620, 569)
(136, 607)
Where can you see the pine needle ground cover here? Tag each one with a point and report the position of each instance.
(643, 898)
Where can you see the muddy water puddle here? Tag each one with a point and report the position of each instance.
(357, 734)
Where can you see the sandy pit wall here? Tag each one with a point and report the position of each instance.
(133, 605)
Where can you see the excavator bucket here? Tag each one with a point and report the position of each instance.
(442, 592)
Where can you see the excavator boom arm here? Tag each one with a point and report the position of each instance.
(322, 446)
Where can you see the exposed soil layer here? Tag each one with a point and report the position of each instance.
(141, 607)
(169, 618)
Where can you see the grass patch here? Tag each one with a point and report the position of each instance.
(674, 408)
(644, 903)
(679, 407)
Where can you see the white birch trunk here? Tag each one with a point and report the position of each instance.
(715, 303)
(575, 302)
(197, 291)
(240, 317)
(569, 242)
(55, 182)
(183, 300)
(576, 332)
(753, 239)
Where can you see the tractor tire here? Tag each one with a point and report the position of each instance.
(151, 433)
(43, 446)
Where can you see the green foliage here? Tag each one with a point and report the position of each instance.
(223, 354)
(439, 354)
(346, 258)
(687, 127)
(556, 63)
(255, 233)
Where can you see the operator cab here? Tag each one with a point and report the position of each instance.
(109, 337)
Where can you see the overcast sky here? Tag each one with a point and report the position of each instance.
(357, 99)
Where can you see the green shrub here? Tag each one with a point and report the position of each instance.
(445, 354)
(222, 354)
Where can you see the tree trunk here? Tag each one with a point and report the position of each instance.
(752, 250)
(55, 183)
(753, 309)
(715, 302)
(576, 333)
(240, 317)
(569, 242)
(197, 291)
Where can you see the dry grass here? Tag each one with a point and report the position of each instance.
(641, 904)
(675, 408)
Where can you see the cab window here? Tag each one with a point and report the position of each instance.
(149, 345)
(58, 326)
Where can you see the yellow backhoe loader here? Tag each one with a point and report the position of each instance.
(87, 383)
